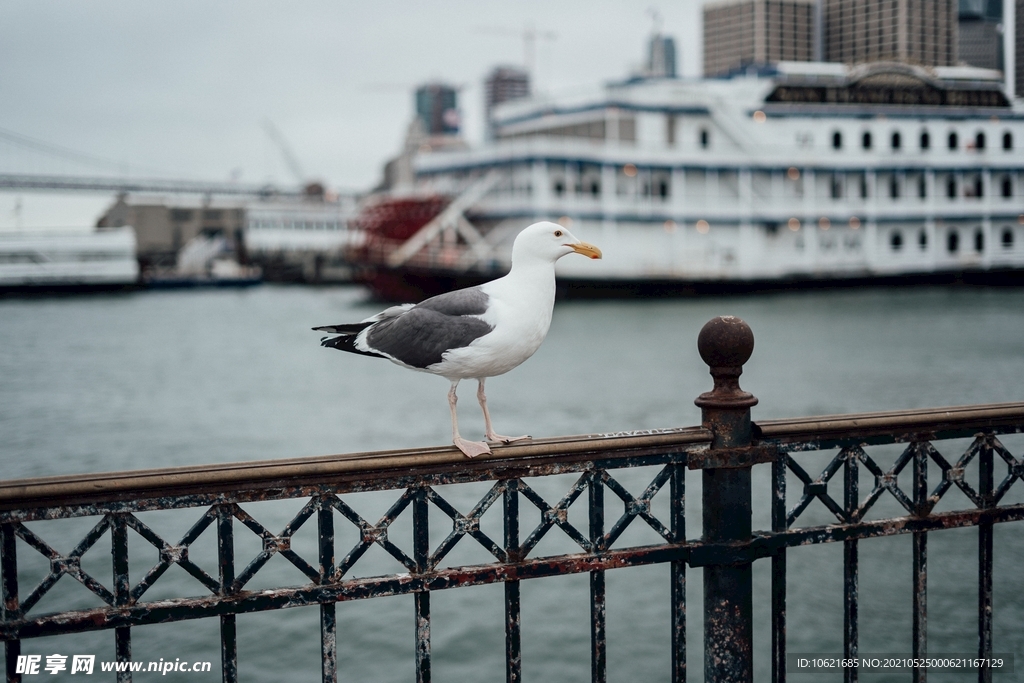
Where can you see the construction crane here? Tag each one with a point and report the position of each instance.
(530, 34)
(286, 151)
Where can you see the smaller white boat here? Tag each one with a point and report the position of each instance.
(205, 261)
(49, 260)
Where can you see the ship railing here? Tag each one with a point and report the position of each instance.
(581, 489)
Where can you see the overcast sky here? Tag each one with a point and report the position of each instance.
(182, 89)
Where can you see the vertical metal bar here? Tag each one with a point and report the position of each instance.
(598, 608)
(725, 343)
(9, 591)
(728, 589)
(677, 490)
(513, 643)
(226, 565)
(851, 487)
(328, 616)
(985, 488)
(123, 651)
(328, 642)
(421, 555)
(12, 650)
(122, 590)
(779, 571)
(513, 638)
(920, 562)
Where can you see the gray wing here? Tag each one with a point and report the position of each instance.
(420, 336)
(469, 301)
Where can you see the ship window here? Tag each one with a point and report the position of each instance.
(926, 140)
(894, 187)
(181, 215)
(896, 240)
(951, 187)
(979, 240)
(837, 187)
(663, 188)
(865, 140)
(1007, 140)
(952, 241)
(863, 187)
(705, 138)
(1007, 238)
(837, 140)
(922, 240)
(212, 214)
(922, 187)
(771, 227)
(954, 141)
(1007, 186)
(627, 129)
(595, 188)
(979, 141)
(559, 188)
(897, 140)
(979, 187)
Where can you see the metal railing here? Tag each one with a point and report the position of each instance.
(726, 447)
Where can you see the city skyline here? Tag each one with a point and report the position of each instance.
(192, 91)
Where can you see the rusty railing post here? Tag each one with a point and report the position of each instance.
(725, 343)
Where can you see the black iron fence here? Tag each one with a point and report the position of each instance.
(726, 447)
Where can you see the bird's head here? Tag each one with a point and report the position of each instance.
(550, 242)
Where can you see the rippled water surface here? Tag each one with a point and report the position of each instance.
(161, 379)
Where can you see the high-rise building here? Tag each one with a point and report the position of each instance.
(914, 31)
(437, 109)
(739, 34)
(661, 57)
(503, 84)
(981, 33)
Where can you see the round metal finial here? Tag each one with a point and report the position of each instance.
(726, 343)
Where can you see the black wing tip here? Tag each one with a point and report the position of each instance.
(347, 328)
(346, 342)
(335, 342)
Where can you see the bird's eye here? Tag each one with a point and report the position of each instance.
(558, 233)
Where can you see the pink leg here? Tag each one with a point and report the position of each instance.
(470, 448)
(490, 435)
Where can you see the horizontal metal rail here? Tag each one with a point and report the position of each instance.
(189, 486)
(379, 470)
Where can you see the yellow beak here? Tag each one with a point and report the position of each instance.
(588, 250)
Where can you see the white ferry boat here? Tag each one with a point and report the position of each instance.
(807, 174)
(48, 260)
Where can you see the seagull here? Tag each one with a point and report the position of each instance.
(476, 332)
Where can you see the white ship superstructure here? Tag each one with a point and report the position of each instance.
(807, 172)
(72, 260)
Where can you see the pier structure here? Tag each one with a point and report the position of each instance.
(817, 467)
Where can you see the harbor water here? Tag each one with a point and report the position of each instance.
(159, 379)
